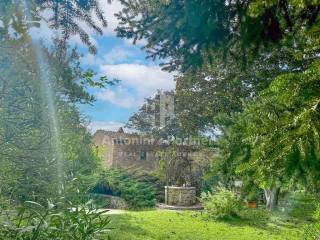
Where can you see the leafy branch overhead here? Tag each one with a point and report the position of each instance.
(182, 32)
(282, 127)
(102, 82)
(66, 17)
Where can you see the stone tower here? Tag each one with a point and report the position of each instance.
(166, 108)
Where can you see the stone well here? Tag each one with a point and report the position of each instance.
(180, 196)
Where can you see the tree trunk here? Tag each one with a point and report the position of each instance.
(272, 197)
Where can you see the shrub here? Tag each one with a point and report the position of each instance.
(100, 201)
(65, 222)
(301, 205)
(153, 179)
(222, 204)
(136, 193)
(255, 215)
(312, 231)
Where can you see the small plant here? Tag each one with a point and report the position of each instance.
(222, 204)
(252, 199)
(253, 196)
(59, 222)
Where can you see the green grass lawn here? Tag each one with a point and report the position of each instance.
(161, 225)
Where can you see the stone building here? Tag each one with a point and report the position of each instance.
(166, 113)
(127, 150)
(133, 151)
(160, 109)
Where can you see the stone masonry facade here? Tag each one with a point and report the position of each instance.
(137, 152)
(180, 196)
(127, 151)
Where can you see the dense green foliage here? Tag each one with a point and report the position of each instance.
(138, 194)
(43, 141)
(46, 153)
(249, 74)
(33, 221)
(275, 140)
(312, 231)
(286, 117)
(222, 87)
(151, 178)
(222, 203)
(184, 31)
(301, 205)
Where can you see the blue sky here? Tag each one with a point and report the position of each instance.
(120, 59)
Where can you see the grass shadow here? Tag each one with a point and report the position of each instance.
(124, 228)
(265, 220)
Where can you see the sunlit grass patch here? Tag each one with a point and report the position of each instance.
(156, 225)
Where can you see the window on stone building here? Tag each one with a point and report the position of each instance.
(166, 106)
(143, 155)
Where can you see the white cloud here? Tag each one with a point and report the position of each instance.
(142, 77)
(117, 55)
(89, 60)
(137, 82)
(104, 125)
(120, 97)
(129, 42)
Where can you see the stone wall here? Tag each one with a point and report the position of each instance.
(130, 157)
(126, 150)
(180, 196)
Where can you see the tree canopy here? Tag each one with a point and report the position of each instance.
(250, 70)
(182, 32)
(282, 129)
(28, 139)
